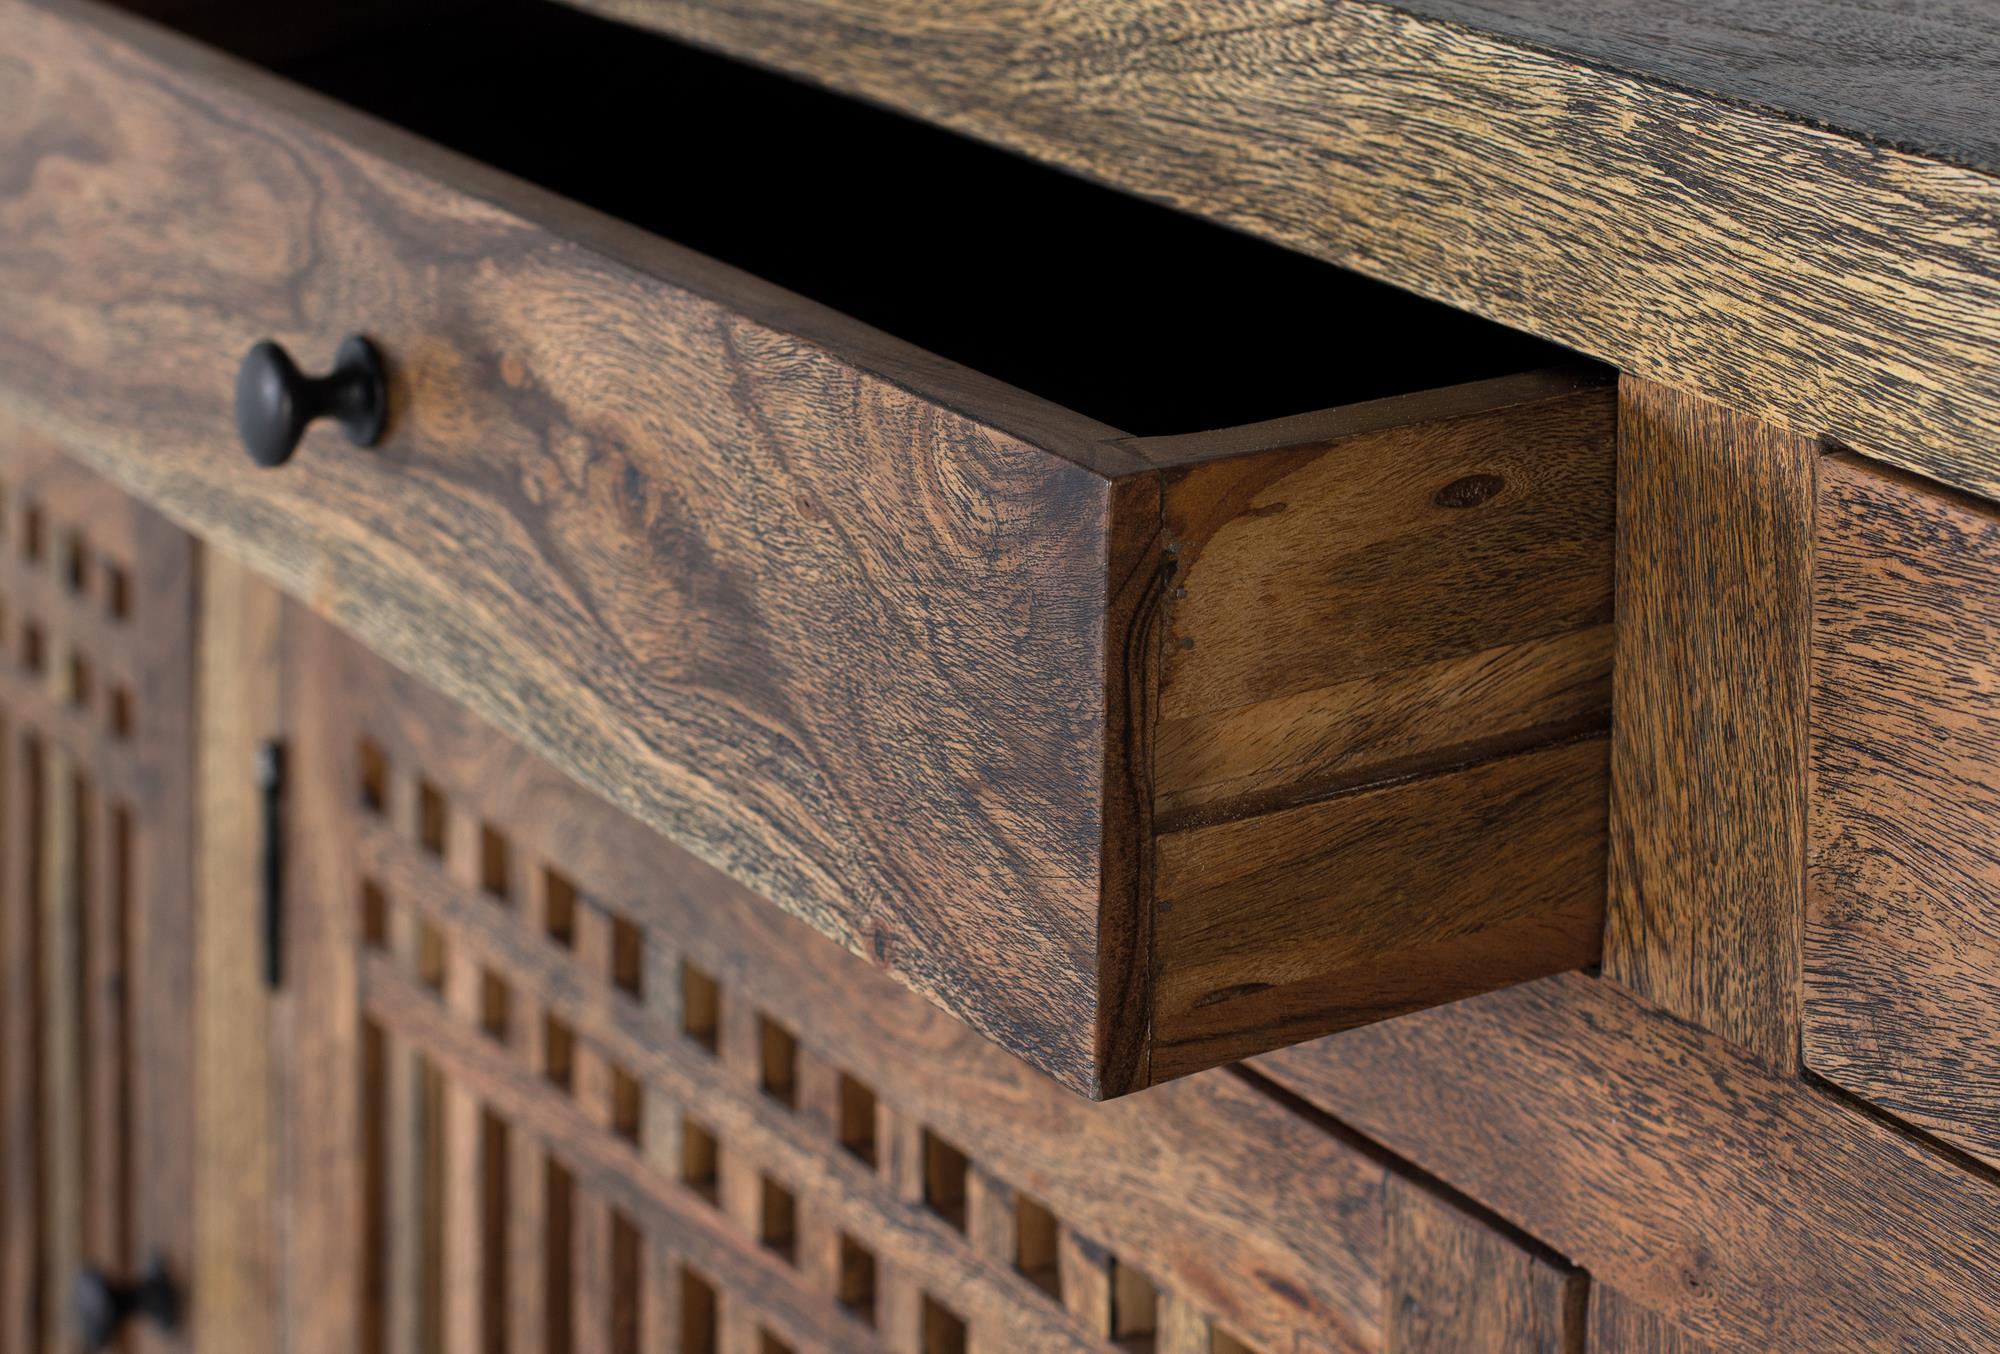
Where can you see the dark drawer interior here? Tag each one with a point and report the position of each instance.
(1126, 311)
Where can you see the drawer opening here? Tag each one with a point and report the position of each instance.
(1128, 312)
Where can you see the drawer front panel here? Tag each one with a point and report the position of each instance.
(1903, 934)
(845, 642)
(96, 947)
(607, 1089)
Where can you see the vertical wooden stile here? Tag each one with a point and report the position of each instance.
(1708, 752)
(62, 1050)
(466, 1321)
(592, 1089)
(406, 1291)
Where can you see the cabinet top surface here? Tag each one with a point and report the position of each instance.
(1919, 78)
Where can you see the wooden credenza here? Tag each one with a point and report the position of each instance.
(992, 677)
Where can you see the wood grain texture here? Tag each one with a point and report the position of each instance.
(329, 1178)
(884, 639)
(1617, 1323)
(1255, 1216)
(1376, 902)
(848, 644)
(1413, 594)
(1486, 171)
(1744, 1206)
(1455, 1282)
(158, 863)
(1708, 780)
(1920, 79)
(236, 1142)
(1903, 925)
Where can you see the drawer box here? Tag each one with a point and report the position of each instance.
(1139, 747)
(1902, 958)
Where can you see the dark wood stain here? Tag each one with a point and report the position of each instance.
(1125, 755)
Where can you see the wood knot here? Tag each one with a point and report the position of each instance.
(1468, 491)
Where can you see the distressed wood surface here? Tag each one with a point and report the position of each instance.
(1744, 1206)
(883, 639)
(1903, 925)
(1455, 1282)
(1708, 748)
(1489, 172)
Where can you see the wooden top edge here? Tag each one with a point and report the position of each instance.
(1332, 425)
(1047, 426)
(1921, 80)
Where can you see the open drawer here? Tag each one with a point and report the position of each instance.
(927, 606)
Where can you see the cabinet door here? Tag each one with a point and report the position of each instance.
(605, 1101)
(557, 1087)
(96, 674)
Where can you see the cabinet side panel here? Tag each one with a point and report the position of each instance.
(1902, 998)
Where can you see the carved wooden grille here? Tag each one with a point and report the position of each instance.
(610, 1103)
(96, 665)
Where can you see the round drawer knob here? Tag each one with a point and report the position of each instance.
(102, 1305)
(275, 400)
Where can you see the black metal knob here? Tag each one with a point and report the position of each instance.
(275, 400)
(102, 1305)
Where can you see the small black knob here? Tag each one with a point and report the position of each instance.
(102, 1305)
(275, 400)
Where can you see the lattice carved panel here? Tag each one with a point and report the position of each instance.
(96, 671)
(611, 1103)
